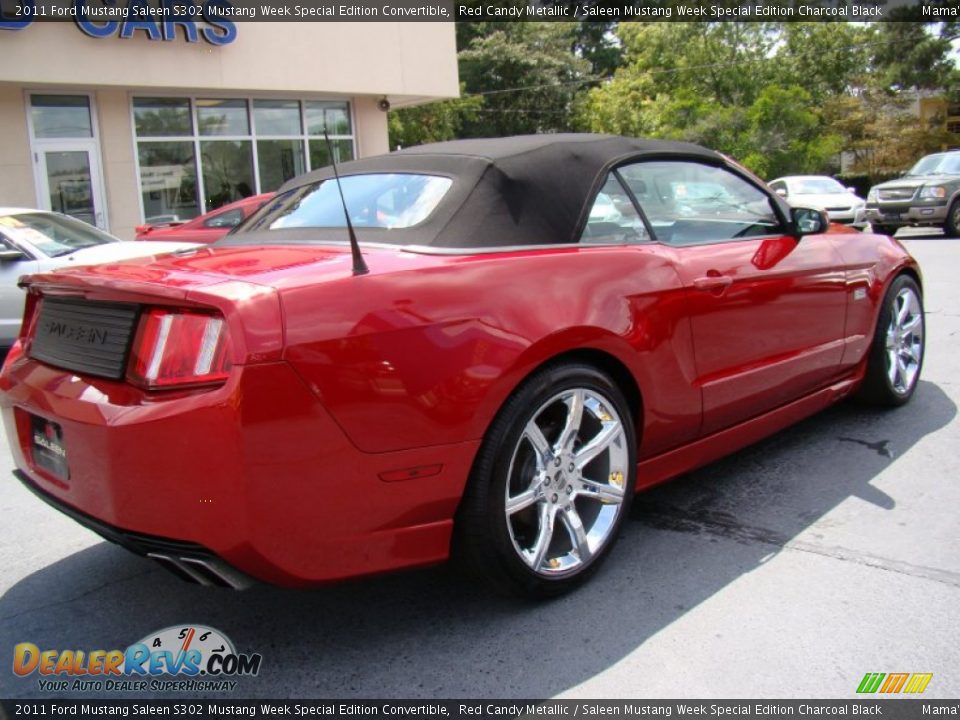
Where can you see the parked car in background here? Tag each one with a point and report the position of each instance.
(206, 228)
(520, 334)
(37, 240)
(927, 196)
(842, 204)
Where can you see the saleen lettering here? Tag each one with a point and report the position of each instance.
(77, 333)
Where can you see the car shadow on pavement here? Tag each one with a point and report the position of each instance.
(430, 633)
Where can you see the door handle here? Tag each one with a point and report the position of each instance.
(714, 282)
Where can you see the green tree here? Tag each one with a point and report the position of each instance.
(516, 78)
(596, 43)
(914, 55)
(827, 59)
(433, 122)
(877, 119)
(880, 131)
(729, 62)
(528, 77)
(786, 134)
(723, 85)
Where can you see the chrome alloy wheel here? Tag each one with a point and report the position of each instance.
(566, 483)
(904, 342)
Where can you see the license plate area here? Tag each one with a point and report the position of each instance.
(47, 447)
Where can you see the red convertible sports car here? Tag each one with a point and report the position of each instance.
(537, 328)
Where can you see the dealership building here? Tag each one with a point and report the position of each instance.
(124, 123)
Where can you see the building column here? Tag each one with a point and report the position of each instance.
(117, 158)
(371, 130)
(17, 185)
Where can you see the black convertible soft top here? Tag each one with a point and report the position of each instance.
(515, 191)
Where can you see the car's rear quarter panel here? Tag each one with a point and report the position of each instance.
(405, 359)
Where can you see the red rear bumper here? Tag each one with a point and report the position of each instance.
(256, 472)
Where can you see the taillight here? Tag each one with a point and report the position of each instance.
(13, 354)
(174, 348)
(27, 326)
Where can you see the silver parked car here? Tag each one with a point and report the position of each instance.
(38, 240)
(842, 204)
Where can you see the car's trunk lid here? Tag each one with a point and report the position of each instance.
(275, 266)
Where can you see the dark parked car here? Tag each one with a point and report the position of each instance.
(927, 196)
(543, 326)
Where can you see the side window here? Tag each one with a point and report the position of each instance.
(9, 251)
(613, 218)
(228, 219)
(688, 203)
(779, 187)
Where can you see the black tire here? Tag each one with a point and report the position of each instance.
(502, 549)
(899, 340)
(883, 229)
(951, 228)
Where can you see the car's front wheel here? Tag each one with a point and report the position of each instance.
(883, 229)
(896, 356)
(551, 485)
(951, 228)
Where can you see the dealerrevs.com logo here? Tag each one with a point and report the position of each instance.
(200, 658)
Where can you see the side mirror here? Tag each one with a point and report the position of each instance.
(852, 190)
(10, 255)
(782, 192)
(808, 221)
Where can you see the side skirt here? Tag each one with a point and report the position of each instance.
(661, 468)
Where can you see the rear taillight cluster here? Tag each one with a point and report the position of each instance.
(31, 310)
(172, 348)
(175, 348)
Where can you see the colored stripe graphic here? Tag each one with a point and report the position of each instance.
(918, 682)
(894, 682)
(870, 682)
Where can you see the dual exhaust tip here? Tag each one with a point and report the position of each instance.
(209, 572)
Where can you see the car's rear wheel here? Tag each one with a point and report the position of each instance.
(551, 485)
(896, 356)
(952, 227)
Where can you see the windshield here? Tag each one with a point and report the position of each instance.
(51, 234)
(377, 200)
(816, 186)
(939, 164)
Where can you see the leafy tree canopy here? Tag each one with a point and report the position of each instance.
(780, 97)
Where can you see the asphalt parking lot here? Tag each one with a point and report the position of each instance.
(787, 570)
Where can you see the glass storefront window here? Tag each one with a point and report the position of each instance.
(70, 183)
(320, 156)
(222, 117)
(334, 117)
(61, 116)
(279, 161)
(162, 117)
(168, 181)
(237, 147)
(276, 117)
(227, 167)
